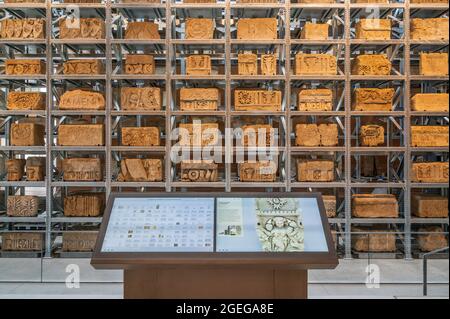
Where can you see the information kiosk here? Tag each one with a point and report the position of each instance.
(215, 245)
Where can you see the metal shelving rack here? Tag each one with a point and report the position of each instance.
(167, 12)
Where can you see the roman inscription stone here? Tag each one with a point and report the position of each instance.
(24, 67)
(371, 135)
(315, 170)
(139, 64)
(433, 64)
(140, 136)
(86, 66)
(142, 30)
(429, 136)
(83, 205)
(371, 64)
(315, 64)
(199, 171)
(35, 168)
(432, 29)
(19, 29)
(81, 28)
(18, 241)
(82, 100)
(25, 100)
(258, 135)
(372, 99)
(82, 169)
(316, 135)
(257, 100)
(27, 134)
(199, 29)
(81, 134)
(198, 134)
(79, 241)
(146, 98)
(247, 64)
(199, 64)
(430, 102)
(22, 206)
(374, 206)
(257, 29)
(15, 169)
(315, 100)
(373, 29)
(315, 31)
(200, 99)
(140, 170)
(260, 171)
(429, 172)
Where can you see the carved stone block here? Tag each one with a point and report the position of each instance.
(25, 101)
(144, 1)
(315, 170)
(140, 170)
(316, 134)
(199, 29)
(436, 238)
(433, 64)
(18, 29)
(429, 206)
(35, 168)
(429, 136)
(86, 66)
(82, 169)
(143, 30)
(315, 64)
(257, 29)
(373, 240)
(329, 202)
(82, 28)
(434, 29)
(24, 1)
(432, 102)
(27, 134)
(374, 206)
(81, 134)
(373, 29)
(84, 205)
(255, 99)
(268, 64)
(371, 64)
(315, 100)
(140, 136)
(371, 135)
(315, 31)
(428, 1)
(199, 134)
(200, 99)
(247, 64)
(372, 99)
(199, 1)
(24, 67)
(198, 64)
(260, 171)
(316, 1)
(258, 135)
(82, 100)
(429, 172)
(199, 171)
(371, 1)
(257, 1)
(79, 241)
(372, 166)
(146, 98)
(22, 206)
(139, 64)
(15, 169)
(22, 241)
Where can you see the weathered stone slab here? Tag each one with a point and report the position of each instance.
(140, 136)
(19, 29)
(315, 170)
(316, 1)
(81, 134)
(429, 172)
(22, 206)
(315, 100)
(79, 241)
(429, 206)
(24, 67)
(15, 169)
(257, 29)
(260, 171)
(372, 99)
(431, 102)
(82, 169)
(82, 28)
(24, 1)
(84, 205)
(371, 135)
(86, 66)
(199, 29)
(268, 64)
(18, 241)
(373, 240)
(429, 135)
(316, 135)
(200, 99)
(255, 99)
(82, 100)
(198, 134)
(315, 64)
(371, 64)
(373, 29)
(140, 170)
(428, 1)
(27, 134)
(315, 31)
(433, 64)
(139, 64)
(329, 202)
(374, 206)
(142, 30)
(247, 64)
(25, 100)
(435, 240)
(198, 64)
(258, 135)
(199, 171)
(429, 29)
(146, 98)
(35, 168)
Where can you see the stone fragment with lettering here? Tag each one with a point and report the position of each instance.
(257, 100)
(82, 28)
(35, 168)
(82, 100)
(315, 100)
(140, 136)
(198, 64)
(315, 31)
(199, 99)
(15, 169)
(81, 241)
(199, 134)
(84, 205)
(431, 29)
(22, 206)
(371, 135)
(19, 100)
(373, 29)
(139, 64)
(254, 135)
(433, 64)
(317, 170)
(27, 134)
(247, 64)
(19, 29)
(316, 135)
(85, 66)
(429, 172)
(260, 171)
(429, 136)
(22, 241)
(24, 67)
(199, 171)
(315, 64)
(371, 64)
(82, 169)
(199, 29)
(81, 135)
(142, 30)
(372, 99)
(144, 98)
(257, 29)
(140, 170)
(430, 102)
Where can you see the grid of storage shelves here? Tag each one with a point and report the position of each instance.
(393, 158)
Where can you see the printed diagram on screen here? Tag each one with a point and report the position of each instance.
(230, 221)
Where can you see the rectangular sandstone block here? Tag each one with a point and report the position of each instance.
(371, 64)
(433, 64)
(315, 100)
(257, 29)
(432, 29)
(35, 168)
(371, 135)
(142, 30)
(268, 64)
(86, 66)
(22, 241)
(315, 170)
(431, 102)
(199, 171)
(199, 99)
(198, 1)
(140, 136)
(25, 101)
(315, 31)
(25, 1)
(256, 1)
(247, 64)
(429, 135)
(27, 134)
(429, 206)
(24, 67)
(82, 100)
(199, 29)
(82, 28)
(329, 202)
(22, 206)
(258, 135)
(429, 172)
(82, 169)
(373, 240)
(373, 29)
(140, 170)
(198, 64)
(428, 1)
(198, 134)
(19, 29)
(79, 241)
(315, 64)
(145, 98)
(435, 239)
(15, 169)
(374, 206)
(83, 205)
(316, 135)
(139, 64)
(81, 134)
(257, 100)
(316, 1)
(371, 1)
(372, 99)
(260, 171)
